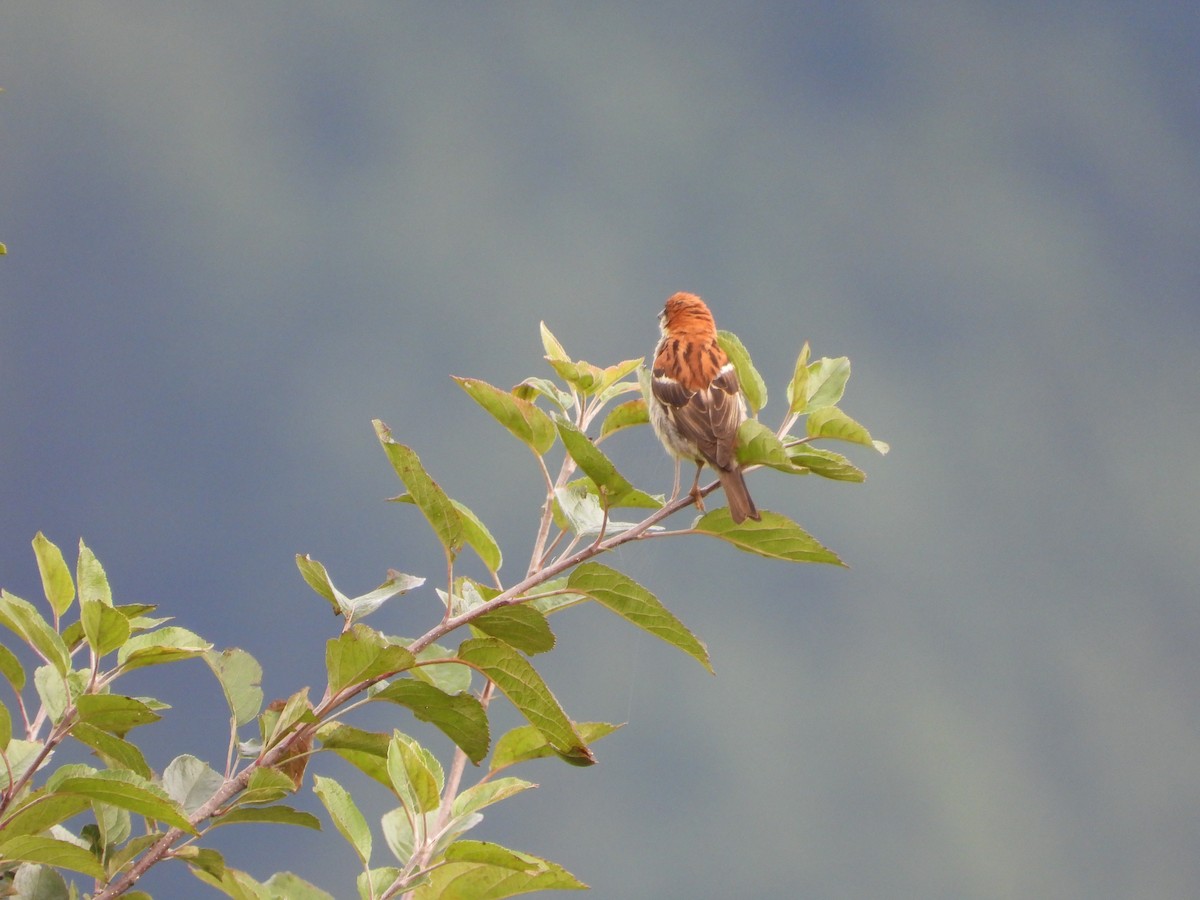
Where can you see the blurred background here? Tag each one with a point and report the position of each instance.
(236, 235)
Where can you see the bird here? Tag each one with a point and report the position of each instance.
(696, 401)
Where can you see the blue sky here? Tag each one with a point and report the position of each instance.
(235, 238)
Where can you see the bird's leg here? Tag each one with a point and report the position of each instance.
(694, 493)
(675, 490)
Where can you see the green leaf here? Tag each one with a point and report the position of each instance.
(429, 497)
(577, 508)
(397, 583)
(524, 420)
(166, 645)
(115, 752)
(296, 710)
(105, 628)
(797, 389)
(5, 726)
(202, 858)
(11, 669)
(38, 882)
(492, 855)
(398, 832)
(24, 619)
(51, 852)
(626, 415)
(293, 887)
(113, 826)
(114, 713)
(479, 538)
(415, 774)
(490, 881)
(826, 382)
(318, 579)
(56, 577)
(54, 690)
(461, 717)
(361, 654)
(521, 626)
(610, 484)
(825, 463)
(266, 786)
(612, 386)
(524, 688)
(190, 782)
(230, 882)
(374, 882)
(40, 810)
(240, 676)
(354, 607)
(554, 350)
(451, 676)
(271, 815)
(126, 790)
(775, 537)
(754, 389)
(345, 814)
(485, 793)
(89, 575)
(631, 601)
(20, 757)
(365, 750)
(757, 445)
(532, 387)
(831, 422)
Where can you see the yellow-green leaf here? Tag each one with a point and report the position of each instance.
(630, 413)
(825, 463)
(22, 617)
(126, 790)
(797, 389)
(345, 814)
(461, 717)
(629, 600)
(776, 537)
(554, 350)
(754, 389)
(114, 713)
(271, 815)
(240, 676)
(427, 494)
(415, 774)
(166, 645)
(612, 486)
(56, 577)
(365, 750)
(51, 852)
(89, 575)
(486, 881)
(361, 654)
(524, 420)
(318, 579)
(115, 752)
(758, 445)
(524, 688)
(485, 793)
(826, 382)
(522, 626)
(831, 422)
(105, 628)
(479, 538)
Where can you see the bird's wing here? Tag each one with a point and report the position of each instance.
(710, 417)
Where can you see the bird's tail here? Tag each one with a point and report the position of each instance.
(741, 506)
